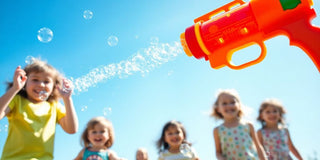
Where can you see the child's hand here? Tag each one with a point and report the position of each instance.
(66, 88)
(19, 78)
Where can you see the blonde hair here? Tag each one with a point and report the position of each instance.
(144, 151)
(90, 125)
(39, 66)
(232, 92)
(274, 103)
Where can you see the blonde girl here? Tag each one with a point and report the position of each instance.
(173, 144)
(97, 138)
(32, 108)
(274, 137)
(142, 154)
(234, 139)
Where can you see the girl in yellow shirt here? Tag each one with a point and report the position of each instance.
(32, 108)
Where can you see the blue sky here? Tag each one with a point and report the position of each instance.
(166, 85)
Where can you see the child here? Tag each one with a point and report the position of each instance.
(97, 138)
(273, 135)
(234, 139)
(142, 154)
(32, 108)
(173, 143)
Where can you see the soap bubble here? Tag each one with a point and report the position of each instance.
(84, 108)
(112, 41)
(29, 60)
(67, 85)
(43, 95)
(87, 14)
(45, 35)
(107, 111)
(185, 149)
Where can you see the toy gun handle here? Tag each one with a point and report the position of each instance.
(223, 56)
(307, 37)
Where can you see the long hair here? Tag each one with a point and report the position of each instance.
(90, 125)
(39, 66)
(162, 144)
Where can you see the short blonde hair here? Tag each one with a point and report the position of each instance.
(90, 125)
(231, 92)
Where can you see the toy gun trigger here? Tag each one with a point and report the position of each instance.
(227, 61)
(222, 9)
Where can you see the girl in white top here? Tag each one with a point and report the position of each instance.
(173, 144)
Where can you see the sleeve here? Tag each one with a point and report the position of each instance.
(61, 111)
(13, 103)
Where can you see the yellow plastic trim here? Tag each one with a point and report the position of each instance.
(199, 39)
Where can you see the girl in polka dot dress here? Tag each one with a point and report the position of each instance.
(234, 139)
(273, 136)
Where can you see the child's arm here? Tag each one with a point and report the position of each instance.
(19, 80)
(292, 147)
(217, 143)
(80, 155)
(114, 156)
(69, 122)
(259, 134)
(260, 150)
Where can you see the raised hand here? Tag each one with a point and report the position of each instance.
(19, 78)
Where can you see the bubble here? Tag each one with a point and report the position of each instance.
(185, 149)
(87, 14)
(112, 41)
(29, 60)
(45, 35)
(154, 40)
(84, 108)
(6, 128)
(107, 111)
(67, 85)
(43, 95)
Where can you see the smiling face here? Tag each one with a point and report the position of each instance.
(98, 136)
(39, 86)
(228, 106)
(271, 115)
(174, 136)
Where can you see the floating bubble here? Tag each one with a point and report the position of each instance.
(43, 95)
(185, 148)
(67, 85)
(170, 73)
(84, 108)
(107, 111)
(112, 41)
(45, 35)
(154, 40)
(87, 14)
(29, 60)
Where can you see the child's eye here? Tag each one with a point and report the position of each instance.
(94, 132)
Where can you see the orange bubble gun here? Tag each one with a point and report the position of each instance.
(216, 35)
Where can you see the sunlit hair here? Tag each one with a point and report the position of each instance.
(232, 92)
(91, 124)
(39, 66)
(162, 144)
(144, 152)
(274, 103)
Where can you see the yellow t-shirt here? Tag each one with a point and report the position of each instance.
(31, 129)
